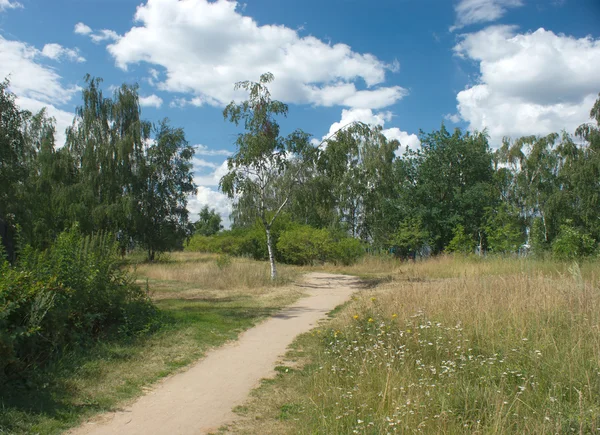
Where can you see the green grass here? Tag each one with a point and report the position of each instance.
(196, 317)
(507, 347)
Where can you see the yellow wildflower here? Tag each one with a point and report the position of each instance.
(371, 320)
(373, 299)
(394, 315)
(356, 317)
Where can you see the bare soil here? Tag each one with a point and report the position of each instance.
(201, 399)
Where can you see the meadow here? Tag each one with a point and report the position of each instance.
(449, 345)
(204, 301)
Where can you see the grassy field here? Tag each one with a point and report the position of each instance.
(448, 345)
(205, 300)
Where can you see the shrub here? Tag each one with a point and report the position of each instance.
(223, 261)
(572, 243)
(305, 245)
(347, 251)
(70, 294)
(461, 242)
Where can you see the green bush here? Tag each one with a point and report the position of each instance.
(461, 242)
(68, 295)
(293, 244)
(572, 243)
(305, 245)
(347, 251)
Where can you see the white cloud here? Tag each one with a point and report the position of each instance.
(8, 4)
(82, 29)
(104, 35)
(481, 11)
(532, 83)
(367, 116)
(35, 85)
(212, 179)
(183, 102)
(214, 200)
(151, 101)
(452, 117)
(29, 78)
(63, 118)
(205, 47)
(208, 193)
(98, 36)
(58, 52)
(201, 163)
(203, 150)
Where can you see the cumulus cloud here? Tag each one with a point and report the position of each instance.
(212, 179)
(452, 117)
(35, 85)
(104, 35)
(8, 4)
(201, 163)
(82, 29)
(530, 83)
(204, 47)
(63, 119)
(58, 52)
(481, 11)
(367, 116)
(151, 101)
(208, 192)
(203, 150)
(184, 102)
(214, 200)
(98, 36)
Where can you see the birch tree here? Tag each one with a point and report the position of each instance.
(262, 155)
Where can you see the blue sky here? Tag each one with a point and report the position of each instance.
(514, 67)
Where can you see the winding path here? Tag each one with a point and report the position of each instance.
(201, 399)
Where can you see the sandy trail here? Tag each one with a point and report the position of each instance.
(201, 399)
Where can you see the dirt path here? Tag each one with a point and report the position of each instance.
(201, 399)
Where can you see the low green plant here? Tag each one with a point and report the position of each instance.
(305, 245)
(72, 293)
(346, 251)
(461, 242)
(223, 261)
(572, 243)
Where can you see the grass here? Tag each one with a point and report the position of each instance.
(202, 305)
(449, 345)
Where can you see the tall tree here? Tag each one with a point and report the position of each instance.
(161, 215)
(209, 222)
(454, 175)
(262, 155)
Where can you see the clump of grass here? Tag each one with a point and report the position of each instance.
(212, 272)
(500, 350)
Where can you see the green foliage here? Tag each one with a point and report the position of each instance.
(67, 295)
(223, 261)
(209, 222)
(410, 237)
(346, 251)
(262, 156)
(453, 183)
(537, 238)
(461, 242)
(572, 243)
(504, 234)
(305, 245)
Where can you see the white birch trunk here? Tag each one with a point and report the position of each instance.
(271, 254)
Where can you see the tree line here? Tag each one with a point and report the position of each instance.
(122, 174)
(538, 194)
(116, 173)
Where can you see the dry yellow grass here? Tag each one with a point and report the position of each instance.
(450, 345)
